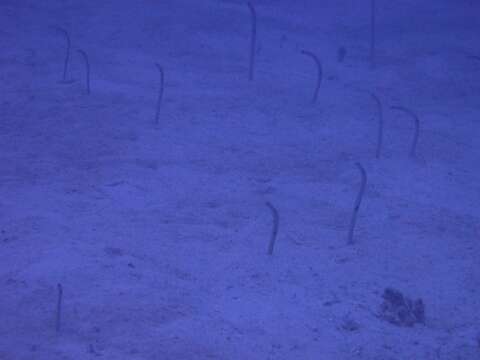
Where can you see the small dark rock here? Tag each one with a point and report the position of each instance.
(399, 310)
(111, 251)
(350, 325)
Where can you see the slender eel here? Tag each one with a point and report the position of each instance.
(67, 54)
(160, 94)
(358, 201)
(372, 33)
(59, 307)
(253, 40)
(274, 234)
(380, 125)
(319, 73)
(83, 54)
(409, 112)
